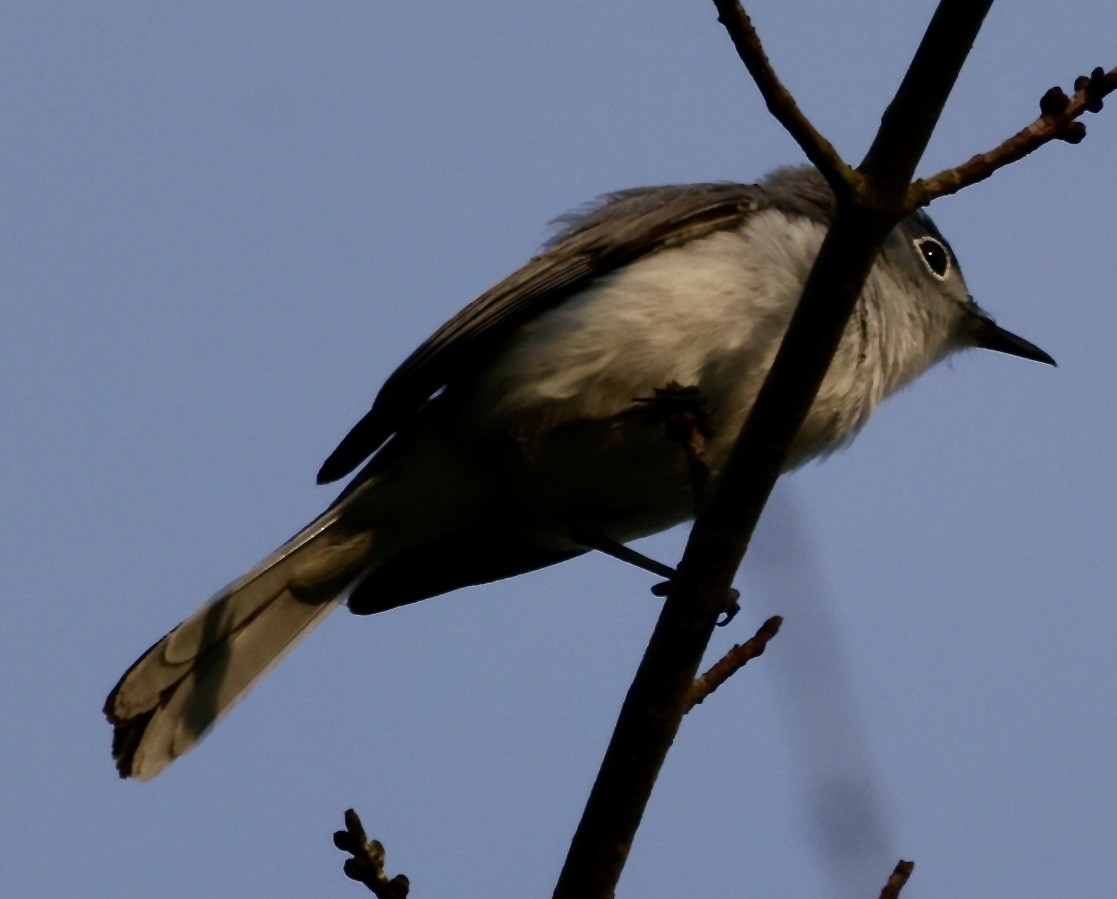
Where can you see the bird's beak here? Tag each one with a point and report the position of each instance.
(990, 336)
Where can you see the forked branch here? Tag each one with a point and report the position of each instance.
(663, 685)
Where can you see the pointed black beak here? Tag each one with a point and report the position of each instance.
(990, 336)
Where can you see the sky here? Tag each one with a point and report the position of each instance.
(226, 223)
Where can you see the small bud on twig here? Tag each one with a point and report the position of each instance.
(367, 864)
(1054, 102)
(1074, 133)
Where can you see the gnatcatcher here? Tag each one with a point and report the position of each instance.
(514, 437)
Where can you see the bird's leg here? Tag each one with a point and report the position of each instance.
(592, 538)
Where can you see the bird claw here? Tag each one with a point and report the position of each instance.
(731, 610)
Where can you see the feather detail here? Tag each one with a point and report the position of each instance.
(175, 692)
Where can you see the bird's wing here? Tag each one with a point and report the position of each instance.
(621, 228)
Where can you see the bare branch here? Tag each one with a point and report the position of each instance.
(1058, 120)
(658, 697)
(367, 864)
(900, 875)
(733, 661)
(779, 101)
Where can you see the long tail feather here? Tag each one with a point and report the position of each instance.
(179, 688)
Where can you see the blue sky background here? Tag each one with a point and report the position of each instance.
(224, 225)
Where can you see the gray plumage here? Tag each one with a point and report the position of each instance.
(516, 426)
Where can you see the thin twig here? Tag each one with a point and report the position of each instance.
(900, 875)
(733, 661)
(367, 864)
(779, 101)
(1058, 120)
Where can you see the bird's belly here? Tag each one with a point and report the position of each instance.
(626, 475)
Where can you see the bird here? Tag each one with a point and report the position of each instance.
(517, 435)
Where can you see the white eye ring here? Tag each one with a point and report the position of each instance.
(934, 255)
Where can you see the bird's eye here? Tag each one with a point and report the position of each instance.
(934, 256)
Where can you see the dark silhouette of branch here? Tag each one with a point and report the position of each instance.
(900, 875)
(912, 115)
(733, 661)
(1058, 120)
(658, 697)
(367, 863)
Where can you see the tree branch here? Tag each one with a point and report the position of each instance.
(733, 661)
(779, 101)
(658, 697)
(1058, 120)
(907, 123)
(367, 864)
(900, 875)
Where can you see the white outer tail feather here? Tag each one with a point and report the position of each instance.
(179, 688)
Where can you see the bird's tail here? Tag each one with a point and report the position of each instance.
(176, 690)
